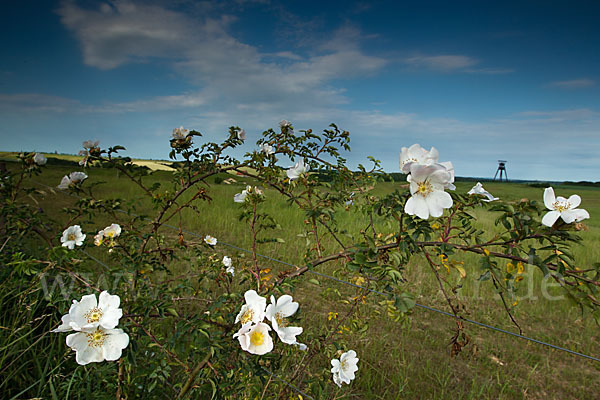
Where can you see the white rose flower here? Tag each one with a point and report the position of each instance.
(418, 155)
(107, 234)
(450, 168)
(298, 169)
(285, 124)
(227, 263)
(89, 314)
(277, 312)
(427, 185)
(98, 345)
(336, 378)
(267, 149)
(241, 197)
(90, 144)
(112, 231)
(350, 201)
(72, 179)
(65, 183)
(254, 309)
(478, 189)
(99, 238)
(564, 208)
(301, 346)
(77, 177)
(343, 369)
(72, 236)
(212, 241)
(241, 134)
(39, 159)
(180, 133)
(255, 339)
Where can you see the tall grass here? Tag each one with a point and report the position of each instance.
(407, 359)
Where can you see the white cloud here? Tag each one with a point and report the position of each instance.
(158, 103)
(237, 83)
(446, 62)
(203, 51)
(26, 102)
(556, 116)
(573, 84)
(453, 63)
(42, 103)
(112, 36)
(490, 71)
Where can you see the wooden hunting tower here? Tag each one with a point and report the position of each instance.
(501, 169)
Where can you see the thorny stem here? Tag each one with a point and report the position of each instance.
(437, 276)
(21, 177)
(120, 376)
(448, 227)
(512, 318)
(456, 342)
(159, 344)
(254, 259)
(188, 384)
(314, 223)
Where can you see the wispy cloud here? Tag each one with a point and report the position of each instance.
(573, 84)
(448, 62)
(204, 52)
(453, 63)
(490, 71)
(42, 103)
(36, 102)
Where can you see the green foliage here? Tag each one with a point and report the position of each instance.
(179, 302)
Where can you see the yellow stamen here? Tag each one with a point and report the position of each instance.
(424, 188)
(96, 338)
(71, 236)
(93, 315)
(247, 316)
(561, 207)
(257, 338)
(281, 321)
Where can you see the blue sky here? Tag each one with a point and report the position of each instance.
(480, 81)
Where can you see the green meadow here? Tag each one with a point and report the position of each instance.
(402, 359)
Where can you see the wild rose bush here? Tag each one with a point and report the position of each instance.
(158, 329)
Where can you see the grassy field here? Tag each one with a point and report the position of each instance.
(154, 165)
(408, 360)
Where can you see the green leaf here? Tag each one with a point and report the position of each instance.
(173, 312)
(404, 302)
(485, 276)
